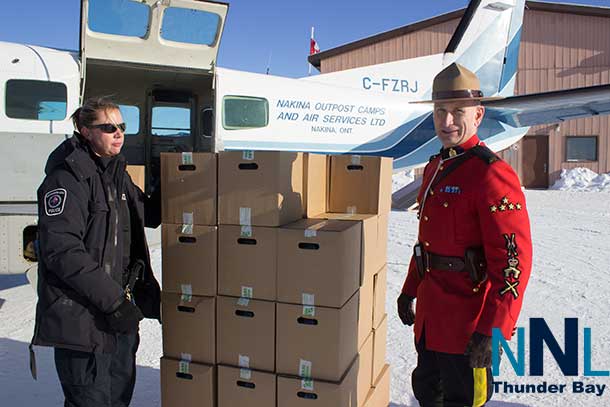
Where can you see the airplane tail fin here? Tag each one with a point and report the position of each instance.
(486, 41)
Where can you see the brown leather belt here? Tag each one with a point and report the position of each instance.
(473, 263)
(444, 263)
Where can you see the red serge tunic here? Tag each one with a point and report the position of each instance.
(479, 204)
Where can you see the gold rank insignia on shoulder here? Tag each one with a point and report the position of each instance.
(504, 204)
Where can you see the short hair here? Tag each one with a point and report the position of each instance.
(85, 115)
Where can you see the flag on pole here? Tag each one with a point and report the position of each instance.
(313, 48)
(313, 45)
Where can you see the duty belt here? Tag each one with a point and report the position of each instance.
(473, 262)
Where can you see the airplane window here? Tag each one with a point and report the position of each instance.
(242, 112)
(579, 148)
(36, 100)
(131, 117)
(119, 17)
(190, 26)
(169, 121)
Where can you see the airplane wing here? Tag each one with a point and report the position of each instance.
(550, 107)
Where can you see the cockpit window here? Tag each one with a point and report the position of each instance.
(190, 26)
(119, 17)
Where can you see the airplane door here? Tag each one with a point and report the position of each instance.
(171, 127)
(178, 33)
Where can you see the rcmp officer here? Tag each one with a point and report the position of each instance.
(472, 262)
(95, 279)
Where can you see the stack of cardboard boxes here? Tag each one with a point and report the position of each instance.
(274, 279)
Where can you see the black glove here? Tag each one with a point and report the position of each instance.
(406, 313)
(125, 319)
(479, 350)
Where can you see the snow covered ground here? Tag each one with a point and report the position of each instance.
(570, 279)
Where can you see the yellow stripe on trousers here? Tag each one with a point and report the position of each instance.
(480, 386)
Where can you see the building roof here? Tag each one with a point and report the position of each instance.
(316, 59)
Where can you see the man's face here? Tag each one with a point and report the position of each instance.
(106, 141)
(456, 122)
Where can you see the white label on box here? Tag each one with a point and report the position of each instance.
(187, 229)
(245, 374)
(248, 155)
(307, 384)
(243, 302)
(184, 364)
(183, 367)
(309, 299)
(245, 216)
(244, 361)
(187, 292)
(305, 368)
(187, 158)
(187, 218)
(311, 233)
(309, 311)
(246, 231)
(351, 210)
(247, 292)
(355, 160)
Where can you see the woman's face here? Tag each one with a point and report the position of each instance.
(104, 134)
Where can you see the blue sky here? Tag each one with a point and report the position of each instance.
(254, 29)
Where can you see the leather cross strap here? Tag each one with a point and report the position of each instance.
(455, 163)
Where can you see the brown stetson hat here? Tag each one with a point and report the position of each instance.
(456, 83)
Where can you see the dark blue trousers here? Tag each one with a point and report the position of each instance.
(99, 379)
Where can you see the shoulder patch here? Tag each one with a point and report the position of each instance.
(54, 202)
(485, 154)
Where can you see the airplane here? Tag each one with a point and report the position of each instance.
(158, 60)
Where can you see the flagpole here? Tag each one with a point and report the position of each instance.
(308, 64)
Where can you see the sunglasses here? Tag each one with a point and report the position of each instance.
(109, 127)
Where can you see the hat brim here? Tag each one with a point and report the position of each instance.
(481, 99)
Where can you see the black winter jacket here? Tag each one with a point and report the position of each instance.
(78, 214)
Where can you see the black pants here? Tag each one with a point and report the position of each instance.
(98, 379)
(447, 380)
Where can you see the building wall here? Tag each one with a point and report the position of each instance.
(558, 51)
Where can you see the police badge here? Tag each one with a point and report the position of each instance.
(54, 202)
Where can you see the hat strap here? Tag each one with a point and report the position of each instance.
(457, 94)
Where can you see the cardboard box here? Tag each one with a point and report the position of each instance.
(246, 333)
(138, 175)
(189, 327)
(244, 387)
(348, 184)
(380, 338)
(247, 262)
(318, 262)
(326, 339)
(350, 391)
(187, 384)
(380, 284)
(188, 188)
(374, 249)
(365, 311)
(260, 188)
(189, 259)
(379, 394)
